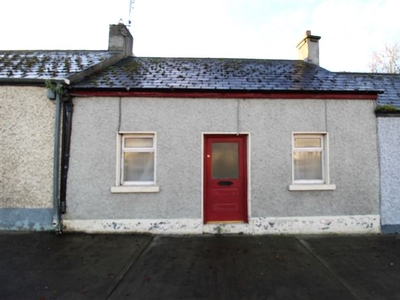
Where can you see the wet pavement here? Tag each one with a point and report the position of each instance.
(78, 266)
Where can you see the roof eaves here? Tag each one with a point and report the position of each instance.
(221, 93)
(33, 81)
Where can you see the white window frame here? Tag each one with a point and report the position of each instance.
(122, 186)
(315, 184)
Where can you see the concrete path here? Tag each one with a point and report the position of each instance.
(76, 266)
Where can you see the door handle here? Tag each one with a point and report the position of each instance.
(225, 183)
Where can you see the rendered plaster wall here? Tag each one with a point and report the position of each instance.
(179, 125)
(26, 157)
(389, 150)
(352, 153)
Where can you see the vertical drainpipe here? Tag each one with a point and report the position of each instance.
(56, 155)
(56, 164)
(67, 111)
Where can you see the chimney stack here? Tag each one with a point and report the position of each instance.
(120, 39)
(308, 48)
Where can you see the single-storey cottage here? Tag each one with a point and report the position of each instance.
(209, 145)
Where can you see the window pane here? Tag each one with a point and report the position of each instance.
(225, 160)
(139, 143)
(308, 166)
(307, 142)
(138, 166)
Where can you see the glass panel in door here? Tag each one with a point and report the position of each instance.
(225, 160)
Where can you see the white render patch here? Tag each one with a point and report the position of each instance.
(361, 224)
(156, 226)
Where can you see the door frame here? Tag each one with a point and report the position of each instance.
(246, 136)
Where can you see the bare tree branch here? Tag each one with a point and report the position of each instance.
(386, 61)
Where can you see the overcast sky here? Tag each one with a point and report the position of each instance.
(270, 29)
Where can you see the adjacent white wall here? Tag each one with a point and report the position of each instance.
(26, 157)
(179, 125)
(389, 151)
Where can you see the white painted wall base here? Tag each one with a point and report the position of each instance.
(362, 224)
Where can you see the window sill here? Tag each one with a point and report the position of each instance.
(135, 189)
(312, 187)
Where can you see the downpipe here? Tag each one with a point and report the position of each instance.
(67, 112)
(56, 92)
(56, 165)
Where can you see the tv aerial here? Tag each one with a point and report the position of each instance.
(131, 3)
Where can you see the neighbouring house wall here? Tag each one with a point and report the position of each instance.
(180, 124)
(26, 158)
(389, 150)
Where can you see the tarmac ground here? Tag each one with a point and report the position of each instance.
(46, 266)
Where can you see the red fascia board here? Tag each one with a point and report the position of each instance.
(359, 95)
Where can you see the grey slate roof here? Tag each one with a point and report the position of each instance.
(220, 74)
(389, 83)
(203, 74)
(44, 64)
(216, 74)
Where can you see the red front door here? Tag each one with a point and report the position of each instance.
(225, 178)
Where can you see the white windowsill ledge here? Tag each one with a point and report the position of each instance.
(135, 189)
(312, 187)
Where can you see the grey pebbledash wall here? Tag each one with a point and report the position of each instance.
(26, 158)
(389, 152)
(179, 125)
